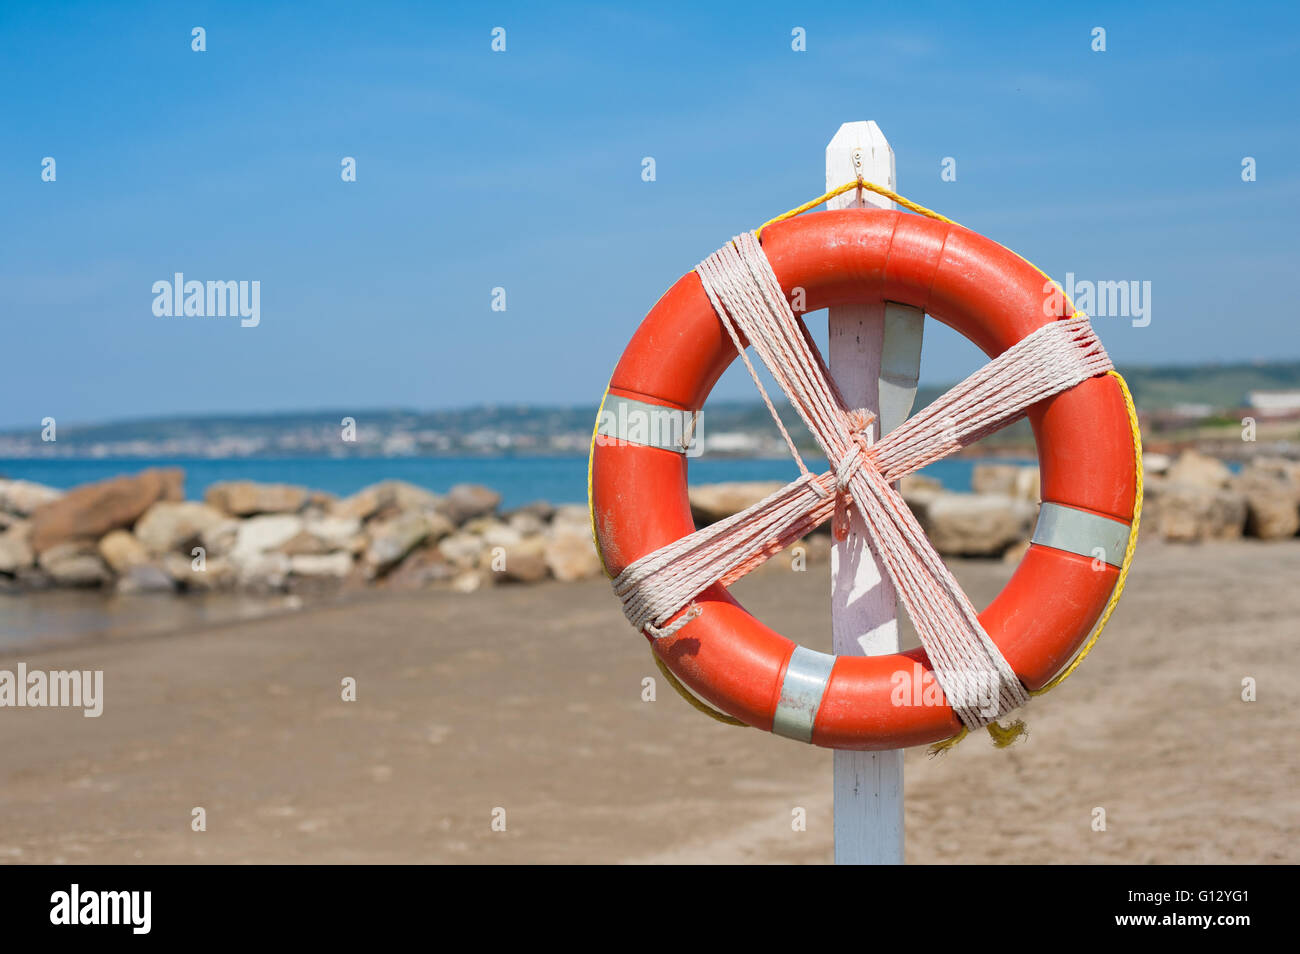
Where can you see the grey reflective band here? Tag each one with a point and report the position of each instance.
(1081, 532)
(626, 420)
(801, 693)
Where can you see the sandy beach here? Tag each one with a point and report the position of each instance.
(528, 698)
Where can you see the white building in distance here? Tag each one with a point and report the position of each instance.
(1275, 403)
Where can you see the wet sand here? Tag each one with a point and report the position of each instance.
(529, 699)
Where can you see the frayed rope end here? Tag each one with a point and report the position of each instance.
(1002, 736)
(940, 748)
(1005, 735)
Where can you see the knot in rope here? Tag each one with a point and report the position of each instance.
(663, 632)
(850, 462)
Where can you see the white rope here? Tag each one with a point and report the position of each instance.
(745, 293)
(661, 583)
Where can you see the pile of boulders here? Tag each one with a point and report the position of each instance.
(1194, 497)
(138, 533)
(1187, 499)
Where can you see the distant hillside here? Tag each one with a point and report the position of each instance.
(525, 430)
(1218, 385)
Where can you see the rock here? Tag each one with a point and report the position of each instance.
(264, 572)
(217, 573)
(572, 556)
(393, 539)
(915, 495)
(303, 543)
(466, 501)
(22, 497)
(360, 506)
(145, 578)
(469, 581)
(1029, 485)
(387, 495)
(1185, 513)
(92, 510)
(170, 525)
(245, 498)
(1278, 468)
(421, 569)
(713, 502)
(1022, 483)
(571, 516)
(1015, 552)
(522, 562)
(335, 532)
(973, 524)
(219, 540)
(1194, 469)
(1156, 465)
(526, 524)
(494, 532)
(404, 496)
(542, 510)
(335, 565)
(462, 549)
(16, 549)
(1272, 506)
(33, 578)
(260, 534)
(121, 550)
(994, 479)
(919, 483)
(75, 563)
(1194, 502)
(321, 500)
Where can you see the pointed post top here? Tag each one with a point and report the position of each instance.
(855, 148)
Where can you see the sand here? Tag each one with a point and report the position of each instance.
(528, 699)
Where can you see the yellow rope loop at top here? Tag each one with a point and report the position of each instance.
(856, 184)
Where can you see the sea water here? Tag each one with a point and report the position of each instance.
(519, 480)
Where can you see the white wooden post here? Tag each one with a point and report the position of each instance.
(875, 355)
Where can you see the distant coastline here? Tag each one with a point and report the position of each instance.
(1202, 406)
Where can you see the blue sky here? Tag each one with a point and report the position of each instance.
(523, 170)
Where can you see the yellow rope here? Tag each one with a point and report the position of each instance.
(689, 696)
(855, 184)
(1002, 736)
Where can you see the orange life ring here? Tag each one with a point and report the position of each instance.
(1085, 451)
